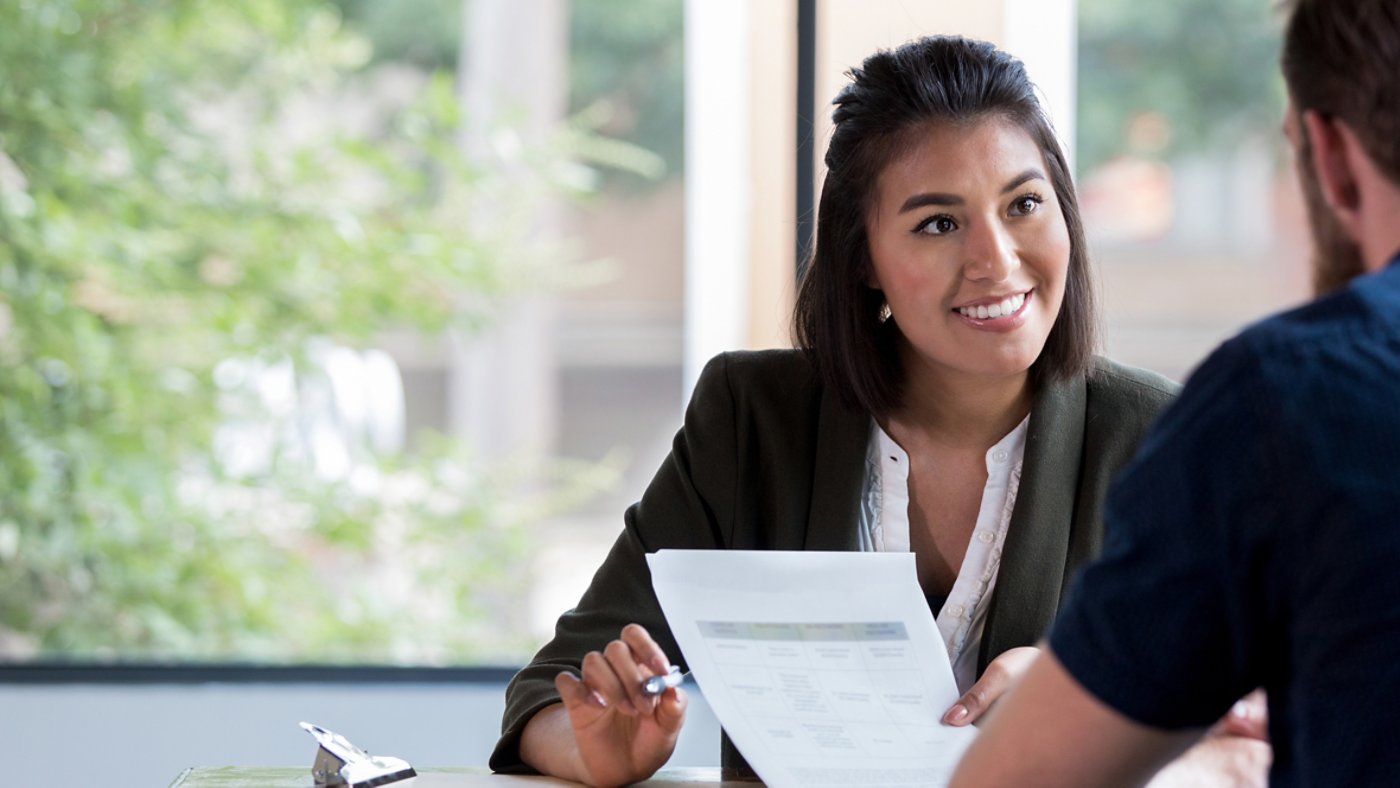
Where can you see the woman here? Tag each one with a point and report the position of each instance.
(945, 400)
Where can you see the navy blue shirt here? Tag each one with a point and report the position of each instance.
(1255, 541)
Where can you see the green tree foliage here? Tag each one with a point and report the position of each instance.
(627, 62)
(1208, 68)
(159, 216)
(425, 33)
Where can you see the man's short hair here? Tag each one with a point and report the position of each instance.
(1341, 58)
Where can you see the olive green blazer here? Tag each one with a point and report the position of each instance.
(770, 459)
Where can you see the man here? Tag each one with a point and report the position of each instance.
(1255, 541)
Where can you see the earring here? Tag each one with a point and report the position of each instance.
(885, 313)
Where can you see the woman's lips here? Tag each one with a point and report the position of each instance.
(982, 319)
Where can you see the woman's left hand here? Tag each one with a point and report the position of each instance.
(1000, 674)
(1249, 717)
(1235, 752)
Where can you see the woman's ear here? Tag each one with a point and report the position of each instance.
(1334, 150)
(871, 280)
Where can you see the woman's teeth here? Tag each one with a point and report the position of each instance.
(1006, 306)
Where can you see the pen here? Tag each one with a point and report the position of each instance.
(659, 684)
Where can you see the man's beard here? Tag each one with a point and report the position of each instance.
(1336, 257)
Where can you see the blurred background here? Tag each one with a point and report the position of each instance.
(341, 332)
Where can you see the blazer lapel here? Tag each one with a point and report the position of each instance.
(1033, 558)
(837, 473)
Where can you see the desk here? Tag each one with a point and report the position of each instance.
(264, 777)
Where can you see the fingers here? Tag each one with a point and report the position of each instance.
(645, 649)
(974, 703)
(1249, 717)
(600, 675)
(670, 709)
(613, 678)
(629, 676)
(1000, 674)
(980, 696)
(575, 694)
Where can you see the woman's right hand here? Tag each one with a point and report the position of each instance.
(622, 735)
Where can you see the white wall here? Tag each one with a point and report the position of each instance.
(143, 736)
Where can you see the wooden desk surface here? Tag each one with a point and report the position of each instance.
(265, 777)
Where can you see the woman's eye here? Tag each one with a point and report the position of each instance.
(938, 225)
(1026, 205)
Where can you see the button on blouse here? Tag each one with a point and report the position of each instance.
(884, 527)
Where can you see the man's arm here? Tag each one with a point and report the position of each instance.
(1050, 731)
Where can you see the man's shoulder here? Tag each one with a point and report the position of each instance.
(1285, 366)
(1366, 310)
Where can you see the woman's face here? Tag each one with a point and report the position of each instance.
(970, 248)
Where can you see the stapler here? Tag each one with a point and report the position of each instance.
(338, 762)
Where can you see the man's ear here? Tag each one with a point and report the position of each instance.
(1334, 150)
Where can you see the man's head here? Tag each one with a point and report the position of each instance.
(1341, 60)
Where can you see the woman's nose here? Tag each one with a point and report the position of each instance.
(990, 253)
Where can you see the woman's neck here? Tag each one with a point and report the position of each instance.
(961, 411)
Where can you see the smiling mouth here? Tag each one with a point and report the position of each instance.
(1004, 308)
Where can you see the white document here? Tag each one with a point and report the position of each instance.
(826, 669)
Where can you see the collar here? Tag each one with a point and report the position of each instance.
(1036, 551)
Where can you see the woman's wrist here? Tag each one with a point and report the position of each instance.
(547, 744)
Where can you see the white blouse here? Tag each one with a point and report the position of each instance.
(884, 526)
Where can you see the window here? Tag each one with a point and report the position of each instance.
(344, 331)
(320, 319)
(1189, 200)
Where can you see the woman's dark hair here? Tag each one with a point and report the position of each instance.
(892, 96)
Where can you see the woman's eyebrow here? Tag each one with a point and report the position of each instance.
(1029, 175)
(942, 198)
(929, 198)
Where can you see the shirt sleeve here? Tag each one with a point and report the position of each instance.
(687, 505)
(1163, 626)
